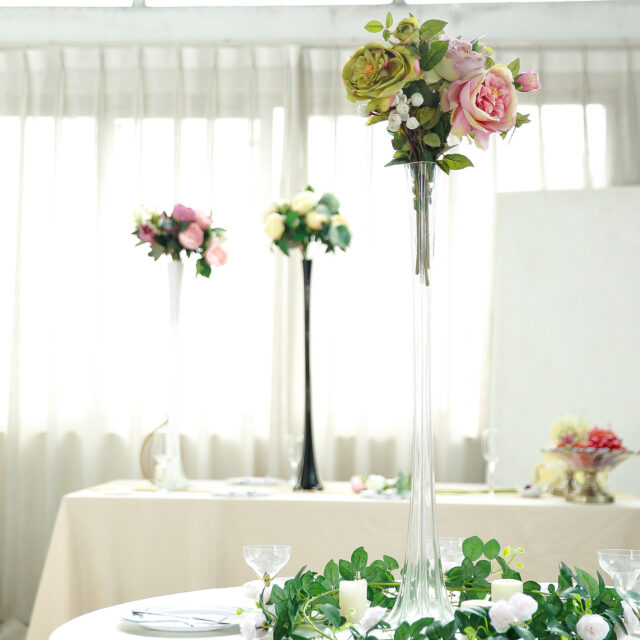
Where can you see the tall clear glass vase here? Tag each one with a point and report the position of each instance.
(173, 477)
(422, 591)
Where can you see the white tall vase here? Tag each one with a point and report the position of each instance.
(173, 478)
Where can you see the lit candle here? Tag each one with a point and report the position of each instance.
(504, 588)
(353, 595)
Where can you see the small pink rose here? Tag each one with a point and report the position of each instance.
(215, 255)
(358, 484)
(203, 220)
(461, 61)
(145, 233)
(482, 105)
(529, 80)
(191, 237)
(180, 212)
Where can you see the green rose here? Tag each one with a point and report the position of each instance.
(408, 30)
(375, 72)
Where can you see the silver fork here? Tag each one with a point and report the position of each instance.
(178, 618)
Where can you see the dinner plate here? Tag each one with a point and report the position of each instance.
(183, 620)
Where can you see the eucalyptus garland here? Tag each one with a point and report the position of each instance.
(580, 606)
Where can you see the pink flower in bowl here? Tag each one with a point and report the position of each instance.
(185, 214)
(192, 237)
(482, 105)
(215, 255)
(358, 484)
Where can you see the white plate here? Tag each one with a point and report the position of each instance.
(184, 620)
(241, 492)
(256, 481)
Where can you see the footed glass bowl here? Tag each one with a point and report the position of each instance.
(590, 462)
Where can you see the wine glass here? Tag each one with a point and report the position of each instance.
(294, 455)
(266, 559)
(491, 457)
(623, 565)
(450, 553)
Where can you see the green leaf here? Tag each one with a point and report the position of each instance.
(442, 165)
(396, 161)
(522, 118)
(359, 559)
(390, 563)
(331, 573)
(282, 243)
(346, 570)
(482, 569)
(386, 34)
(202, 268)
(331, 202)
(489, 63)
(436, 54)
(530, 585)
(514, 67)
(374, 26)
(457, 161)
(389, 20)
(431, 27)
(432, 140)
(331, 613)
(491, 549)
(473, 547)
(588, 582)
(375, 119)
(402, 632)
(524, 633)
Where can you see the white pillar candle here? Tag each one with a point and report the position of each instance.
(504, 588)
(353, 595)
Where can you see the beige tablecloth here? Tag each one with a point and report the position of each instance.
(112, 545)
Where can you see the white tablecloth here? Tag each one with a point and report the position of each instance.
(110, 546)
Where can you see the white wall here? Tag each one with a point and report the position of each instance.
(566, 326)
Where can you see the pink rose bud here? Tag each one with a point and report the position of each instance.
(145, 233)
(180, 212)
(529, 80)
(358, 484)
(203, 220)
(191, 237)
(215, 255)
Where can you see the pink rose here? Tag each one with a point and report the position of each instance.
(481, 105)
(461, 61)
(529, 80)
(180, 212)
(145, 233)
(358, 484)
(203, 220)
(215, 255)
(191, 237)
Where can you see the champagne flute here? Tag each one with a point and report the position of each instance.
(491, 457)
(266, 559)
(623, 565)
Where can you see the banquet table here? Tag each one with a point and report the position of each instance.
(125, 541)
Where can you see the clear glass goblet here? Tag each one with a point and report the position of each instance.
(491, 457)
(623, 565)
(450, 553)
(266, 559)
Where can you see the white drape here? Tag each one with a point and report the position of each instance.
(89, 133)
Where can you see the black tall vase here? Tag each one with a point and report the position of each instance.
(308, 478)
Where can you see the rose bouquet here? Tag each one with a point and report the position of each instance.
(184, 231)
(433, 90)
(305, 219)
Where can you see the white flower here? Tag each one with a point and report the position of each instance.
(416, 99)
(371, 617)
(376, 482)
(401, 97)
(266, 593)
(363, 110)
(395, 101)
(338, 220)
(631, 623)
(523, 606)
(272, 208)
(275, 226)
(403, 110)
(304, 202)
(249, 623)
(502, 616)
(412, 123)
(315, 220)
(394, 122)
(592, 627)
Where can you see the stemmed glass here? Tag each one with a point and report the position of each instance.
(491, 457)
(294, 455)
(623, 565)
(266, 559)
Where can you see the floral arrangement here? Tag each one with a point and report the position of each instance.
(378, 484)
(581, 606)
(428, 87)
(305, 219)
(575, 433)
(184, 231)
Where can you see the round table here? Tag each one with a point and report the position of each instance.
(106, 624)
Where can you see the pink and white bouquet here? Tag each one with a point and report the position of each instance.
(433, 90)
(185, 231)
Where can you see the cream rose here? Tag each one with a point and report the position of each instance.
(304, 202)
(274, 226)
(315, 220)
